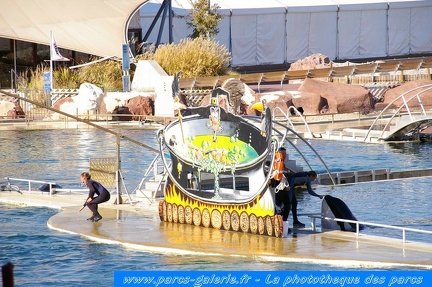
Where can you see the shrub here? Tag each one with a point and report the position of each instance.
(106, 75)
(194, 57)
(65, 78)
(32, 82)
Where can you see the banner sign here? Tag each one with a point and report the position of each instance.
(273, 278)
(125, 57)
(47, 82)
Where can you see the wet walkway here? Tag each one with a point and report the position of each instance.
(139, 227)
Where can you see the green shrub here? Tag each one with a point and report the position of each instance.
(65, 78)
(106, 75)
(199, 57)
(194, 57)
(32, 83)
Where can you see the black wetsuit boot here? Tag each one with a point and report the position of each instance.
(97, 217)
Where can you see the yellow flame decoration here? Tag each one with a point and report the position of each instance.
(256, 206)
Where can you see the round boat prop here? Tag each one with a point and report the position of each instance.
(215, 163)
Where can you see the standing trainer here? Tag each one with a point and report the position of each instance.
(297, 179)
(97, 194)
(282, 200)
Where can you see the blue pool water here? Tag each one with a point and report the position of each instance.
(44, 257)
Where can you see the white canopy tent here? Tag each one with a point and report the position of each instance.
(277, 31)
(97, 27)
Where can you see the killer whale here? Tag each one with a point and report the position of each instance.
(333, 207)
(46, 187)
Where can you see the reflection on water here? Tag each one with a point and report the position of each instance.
(61, 155)
(410, 148)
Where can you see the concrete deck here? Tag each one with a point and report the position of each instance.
(138, 226)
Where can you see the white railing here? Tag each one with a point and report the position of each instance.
(52, 188)
(29, 182)
(423, 89)
(313, 217)
(159, 178)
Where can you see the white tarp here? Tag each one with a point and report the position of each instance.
(410, 29)
(362, 30)
(256, 38)
(311, 28)
(252, 41)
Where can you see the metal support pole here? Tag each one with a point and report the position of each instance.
(7, 275)
(48, 101)
(170, 22)
(150, 29)
(118, 175)
(162, 23)
(15, 86)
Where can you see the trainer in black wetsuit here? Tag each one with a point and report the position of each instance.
(95, 188)
(300, 178)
